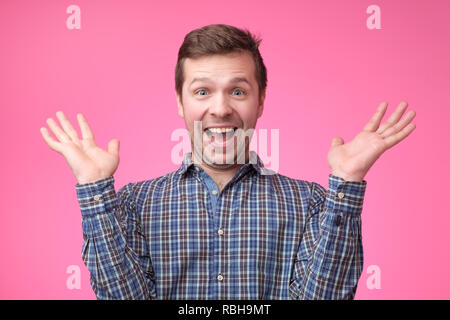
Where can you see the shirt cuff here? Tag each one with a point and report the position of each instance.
(345, 196)
(96, 197)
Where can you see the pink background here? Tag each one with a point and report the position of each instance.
(327, 73)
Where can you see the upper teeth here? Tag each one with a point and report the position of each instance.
(220, 130)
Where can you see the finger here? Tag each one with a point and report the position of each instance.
(336, 141)
(393, 119)
(374, 122)
(67, 126)
(59, 134)
(399, 136)
(86, 131)
(399, 125)
(52, 143)
(113, 147)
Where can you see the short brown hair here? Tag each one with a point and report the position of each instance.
(219, 39)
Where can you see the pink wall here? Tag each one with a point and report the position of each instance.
(327, 74)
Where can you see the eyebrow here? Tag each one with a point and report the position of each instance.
(233, 80)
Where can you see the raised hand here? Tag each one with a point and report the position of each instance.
(352, 160)
(88, 162)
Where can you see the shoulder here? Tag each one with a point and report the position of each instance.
(143, 189)
(284, 182)
(312, 190)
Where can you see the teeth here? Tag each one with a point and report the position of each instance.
(220, 130)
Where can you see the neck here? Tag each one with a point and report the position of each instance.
(221, 174)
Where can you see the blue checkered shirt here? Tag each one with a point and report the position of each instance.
(264, 236)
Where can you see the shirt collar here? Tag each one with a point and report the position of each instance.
(254, 161)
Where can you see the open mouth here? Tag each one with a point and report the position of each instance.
(220, 136)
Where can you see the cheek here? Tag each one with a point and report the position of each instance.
(191, 109)
(192, 113)
(248, 114)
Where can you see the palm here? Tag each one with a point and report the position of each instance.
(358, 154)
(355, 158)
(87, 161)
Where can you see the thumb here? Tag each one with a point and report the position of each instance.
(337, 141)
(113, 147)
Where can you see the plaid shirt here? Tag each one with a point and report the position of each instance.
(264, 236)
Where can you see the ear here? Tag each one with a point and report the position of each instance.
(261, 104)
(180, 105)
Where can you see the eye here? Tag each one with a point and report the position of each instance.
(202, 92)
(242, 92)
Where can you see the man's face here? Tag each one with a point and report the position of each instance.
(220, 91)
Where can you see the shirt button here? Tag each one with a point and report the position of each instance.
(214, 192)
(97, 197)
(220, 277)
(220, 232)
(340, 195)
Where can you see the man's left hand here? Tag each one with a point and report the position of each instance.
(351, 161)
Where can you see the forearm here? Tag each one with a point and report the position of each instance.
(114, 266)
(335, 263)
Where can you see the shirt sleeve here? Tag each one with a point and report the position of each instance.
(330, 257)
(114, 248)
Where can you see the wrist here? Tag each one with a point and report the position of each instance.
(348, 177)
(91, 179)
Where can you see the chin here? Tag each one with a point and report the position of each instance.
(221, 160)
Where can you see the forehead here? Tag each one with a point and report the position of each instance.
(220, 66)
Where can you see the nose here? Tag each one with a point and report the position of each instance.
(221, 107)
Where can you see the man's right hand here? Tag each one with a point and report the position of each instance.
(88, 162)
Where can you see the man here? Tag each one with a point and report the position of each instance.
(220, 228)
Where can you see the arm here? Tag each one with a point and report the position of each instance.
(330, 256)
(114, 250)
